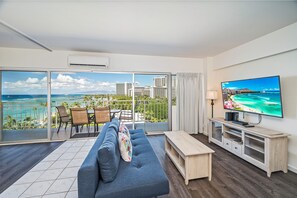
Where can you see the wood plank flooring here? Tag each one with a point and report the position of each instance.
(231, 177)
(16, 160)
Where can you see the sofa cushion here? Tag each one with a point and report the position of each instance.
(109, 156)
(125, 146)
(115, 123)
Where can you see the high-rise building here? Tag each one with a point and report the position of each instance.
(160, 81)
(140, 91)
(160, 87)
(123, 88)
(158, 92)
(147, 91)
(137, 91)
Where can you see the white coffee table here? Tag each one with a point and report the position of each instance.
(191, 157)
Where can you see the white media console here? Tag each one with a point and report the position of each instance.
(264, 148)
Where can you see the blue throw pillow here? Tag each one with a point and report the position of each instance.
(108, 156)
(115, 123)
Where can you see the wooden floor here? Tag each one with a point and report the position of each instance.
(231, 177)
(16, 160)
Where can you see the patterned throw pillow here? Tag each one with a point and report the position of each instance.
(125, 130)
(125, 146)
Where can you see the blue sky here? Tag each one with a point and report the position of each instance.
(259, 84)
(67, 82)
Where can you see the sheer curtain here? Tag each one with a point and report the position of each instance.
(190, 102)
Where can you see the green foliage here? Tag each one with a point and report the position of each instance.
(28, 122)
(152, 109)
(9, 122)
(174, 101)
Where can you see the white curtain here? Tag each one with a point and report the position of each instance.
(190, 102)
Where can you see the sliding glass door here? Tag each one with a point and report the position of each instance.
(23, 106)
(89, 90)
(151, 102)
(29, 99)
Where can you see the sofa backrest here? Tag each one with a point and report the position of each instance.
(88, 174)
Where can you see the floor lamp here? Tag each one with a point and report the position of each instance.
(212, 95)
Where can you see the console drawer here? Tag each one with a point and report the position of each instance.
(236, 148)
(227, 144)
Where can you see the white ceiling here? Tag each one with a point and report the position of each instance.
(163, 28)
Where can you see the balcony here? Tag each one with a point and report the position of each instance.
(28, 121)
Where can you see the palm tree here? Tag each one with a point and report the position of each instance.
(28, 122)
(10, 122)
(76, 104)
(35, 112)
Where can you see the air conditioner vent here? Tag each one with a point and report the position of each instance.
(88, 61)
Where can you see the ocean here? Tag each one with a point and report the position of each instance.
(34, 106)
(268, 103)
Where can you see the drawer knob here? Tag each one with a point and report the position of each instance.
(235, 147)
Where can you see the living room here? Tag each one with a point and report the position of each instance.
(211, 42)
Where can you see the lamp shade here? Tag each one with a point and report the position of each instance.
(212, 95)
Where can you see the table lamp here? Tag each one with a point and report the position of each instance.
(212, 95)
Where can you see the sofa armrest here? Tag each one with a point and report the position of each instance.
(88, 178)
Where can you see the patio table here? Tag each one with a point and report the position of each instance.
(112, 112)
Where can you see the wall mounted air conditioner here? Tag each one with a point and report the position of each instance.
(88, 61)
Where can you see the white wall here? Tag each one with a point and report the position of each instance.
(21, 58)
(280, 41)
(284, 65)
(247, 64)
(11, 58)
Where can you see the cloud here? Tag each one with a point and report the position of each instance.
(65, 78)
(65, 84)
(32, 80)
(62, 84)
(28, 86)
(233, 88)
(44, 79)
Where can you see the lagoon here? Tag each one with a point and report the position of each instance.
(265, 103)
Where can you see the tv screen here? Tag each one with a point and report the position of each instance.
(258, 95)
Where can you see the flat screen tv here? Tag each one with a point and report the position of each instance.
(258, 95)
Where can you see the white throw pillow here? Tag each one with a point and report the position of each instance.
(123, 129)
(125, 147)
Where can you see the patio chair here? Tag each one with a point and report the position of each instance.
(126, 115)
(101, 116)
(63, 116)
(79, 117)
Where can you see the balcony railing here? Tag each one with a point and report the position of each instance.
(21, 115)
(24, 115)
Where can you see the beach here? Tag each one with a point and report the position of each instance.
(242, 107)
(263, 103)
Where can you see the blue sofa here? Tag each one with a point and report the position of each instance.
(143, 177)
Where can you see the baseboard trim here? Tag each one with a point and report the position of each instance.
(292, 168)
(205, 133)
